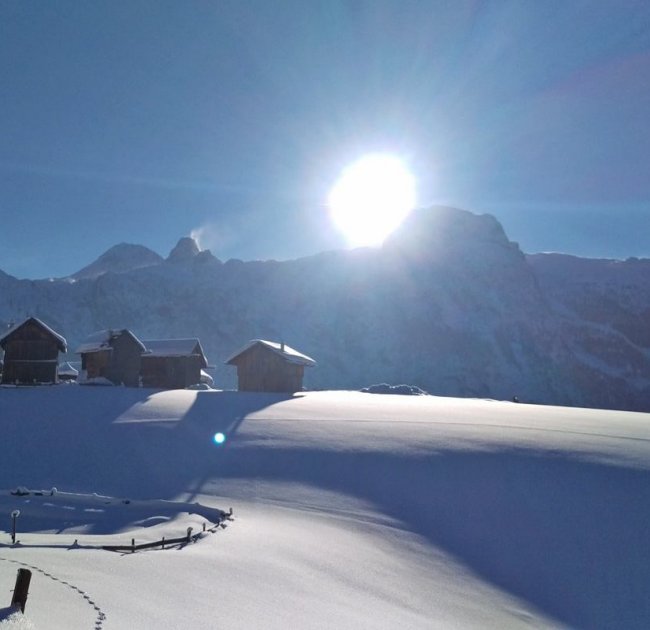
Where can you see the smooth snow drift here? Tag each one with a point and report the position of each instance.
(352, 510)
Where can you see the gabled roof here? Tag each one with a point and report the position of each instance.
(65, 369)
(174, 348)
(102, 340)
(60, 341)
(281, 349)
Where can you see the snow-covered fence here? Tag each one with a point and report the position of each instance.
(53, 507)
(183, 540)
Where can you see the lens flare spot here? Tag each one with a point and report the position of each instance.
(219, 438)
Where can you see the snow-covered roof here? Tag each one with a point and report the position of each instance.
(65, 369)
(174, 348)
(282, 349)
(206, 378)
(101, 340)
(61, 342)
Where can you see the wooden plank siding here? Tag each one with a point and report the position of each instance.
(117, 359)
(262, 370)
(124, 367)
(31, 355)
(95, 363)
(175, 372)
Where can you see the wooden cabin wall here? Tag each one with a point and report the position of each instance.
(192, 370)
(31, 356)
(124, 366)
(153, 371)
(96, 363)
(29, 372)
(171, 372)
(262, 370)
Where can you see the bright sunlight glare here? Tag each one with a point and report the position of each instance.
(372, 198)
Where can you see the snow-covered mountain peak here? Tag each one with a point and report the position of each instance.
(186, 249)
(431, 230)
(119, 259)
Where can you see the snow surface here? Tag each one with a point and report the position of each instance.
(351, 511)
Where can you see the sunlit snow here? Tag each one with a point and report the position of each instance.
(351, 510)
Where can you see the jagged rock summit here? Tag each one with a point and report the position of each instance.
(186, 249)
(119, 259)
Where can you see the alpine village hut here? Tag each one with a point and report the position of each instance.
(67, 372)
(172, 363)
(268, 366)
(113, 355)
(31, 353)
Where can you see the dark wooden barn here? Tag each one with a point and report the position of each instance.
(172, 363)
(31, 353)
(113, 355)
(267, 366)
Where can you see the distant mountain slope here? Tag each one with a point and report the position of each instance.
(118, 259)
(603, 311)
(448, 304)
(613, 293)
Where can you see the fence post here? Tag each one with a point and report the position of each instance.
(132, 545)
(14, 515)
(21, 589)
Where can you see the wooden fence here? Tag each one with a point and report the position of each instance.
(183, 540)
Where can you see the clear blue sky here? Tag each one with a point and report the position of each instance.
(140, 121)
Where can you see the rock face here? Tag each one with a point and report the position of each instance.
(448, 304)
(186, 249)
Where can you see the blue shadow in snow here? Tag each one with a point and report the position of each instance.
(568, 536)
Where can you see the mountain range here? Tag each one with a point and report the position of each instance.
(448, 303)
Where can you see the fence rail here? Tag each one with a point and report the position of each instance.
(182, 540)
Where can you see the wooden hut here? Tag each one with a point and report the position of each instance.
(267, 366)
(172, 363)
(67, 372)
(31, 353)
(113, 355)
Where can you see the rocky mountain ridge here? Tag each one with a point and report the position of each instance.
(448, 304)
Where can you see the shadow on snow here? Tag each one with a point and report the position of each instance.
(568, 536)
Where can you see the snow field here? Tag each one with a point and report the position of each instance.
(351, 509)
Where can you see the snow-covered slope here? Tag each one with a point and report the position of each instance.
(448, 304)
(118, 259)
(351, 510)
(603, 313)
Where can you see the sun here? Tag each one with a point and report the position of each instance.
(371, 198)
